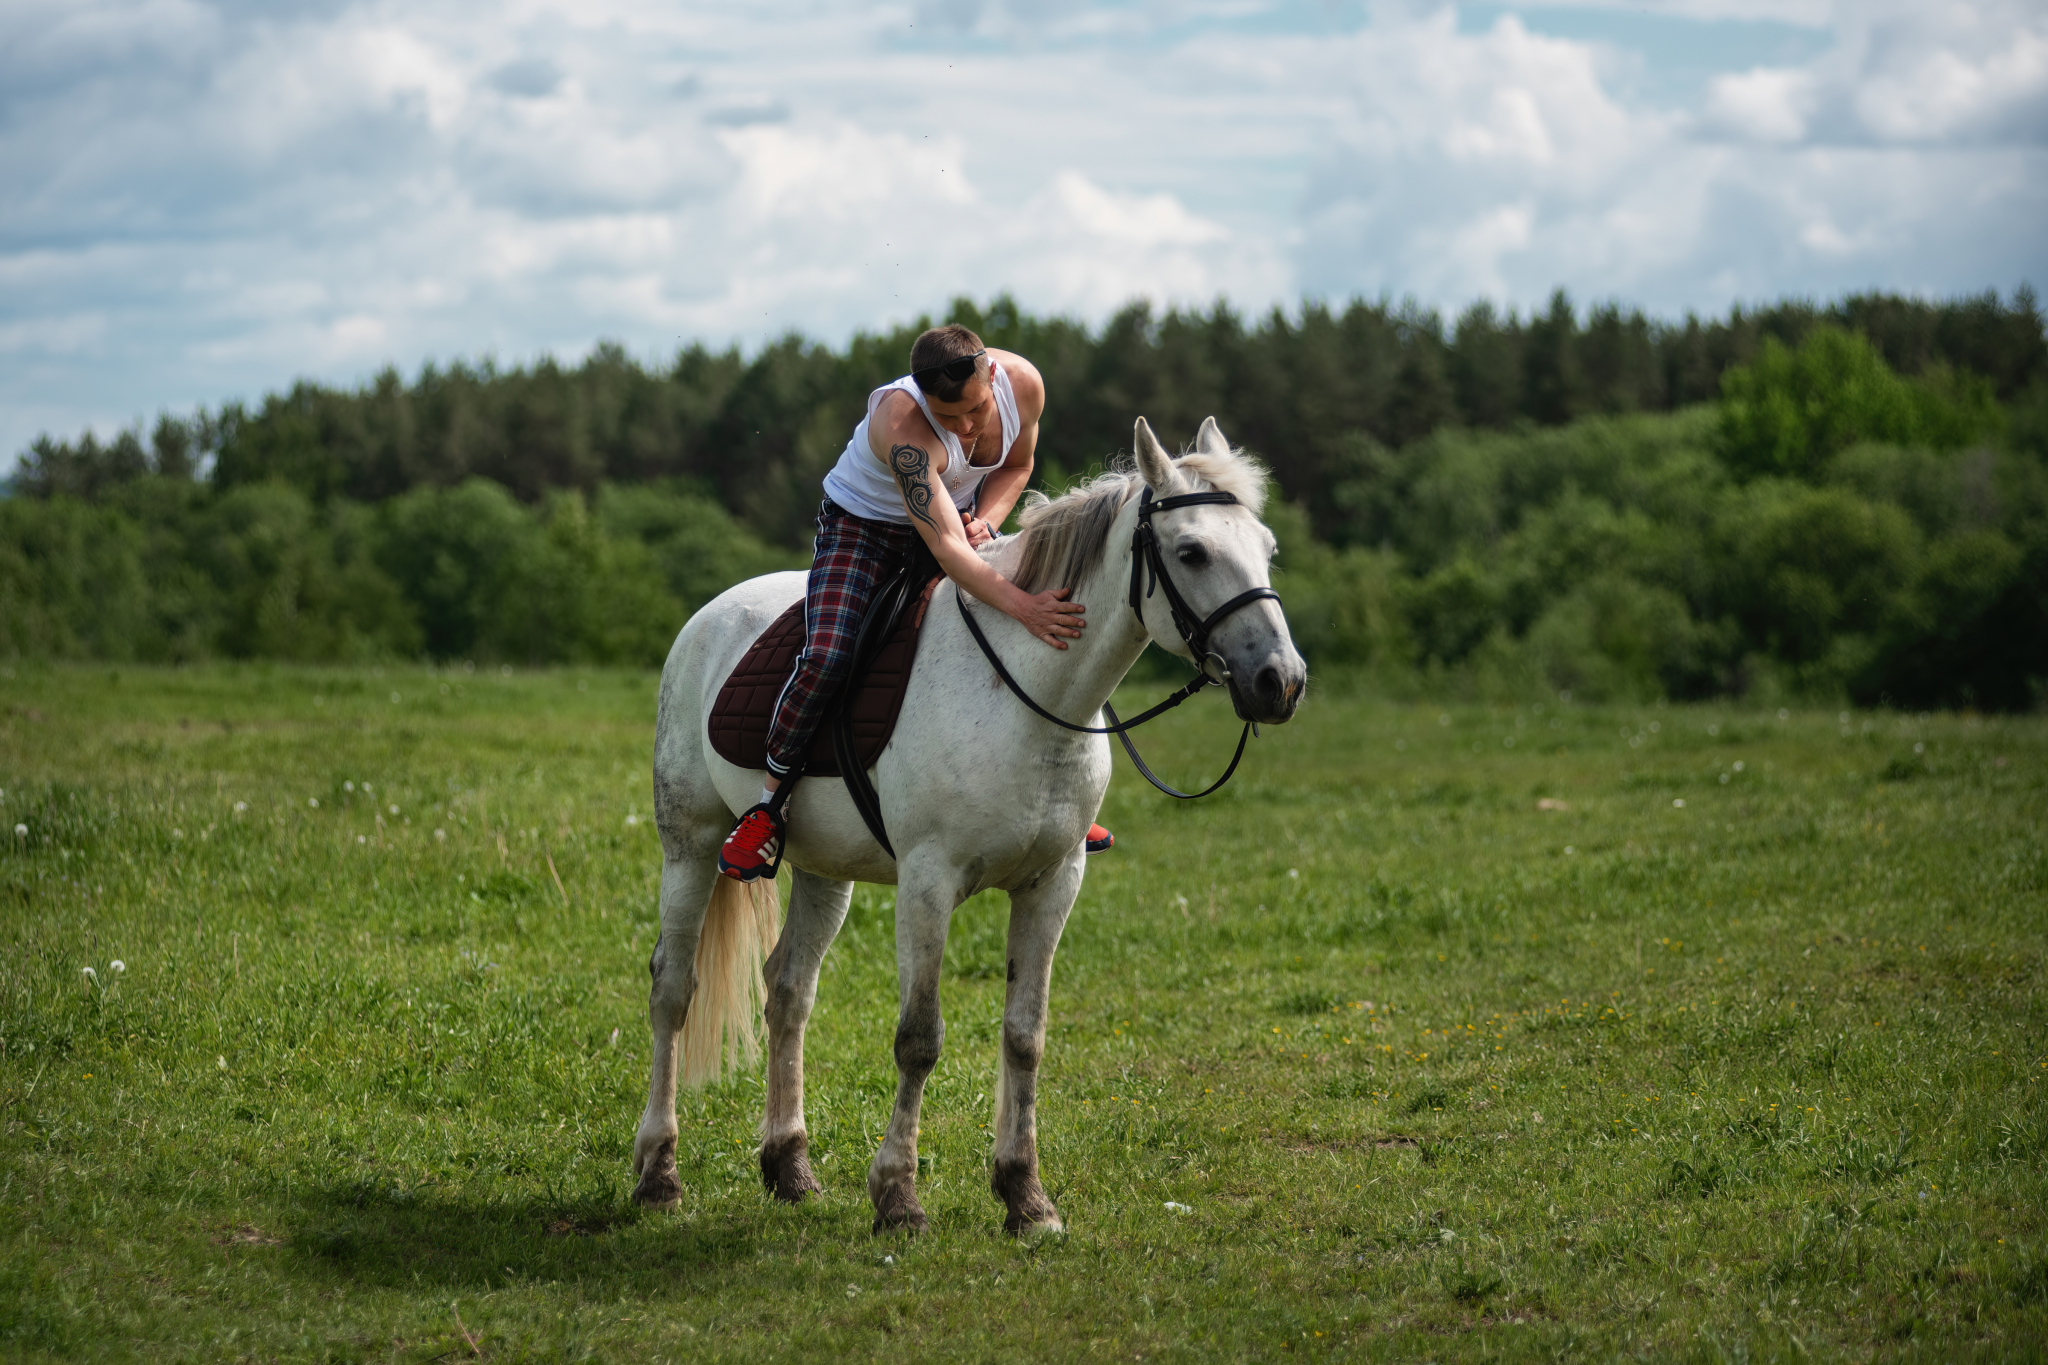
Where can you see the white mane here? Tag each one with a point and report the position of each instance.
(1061, 540)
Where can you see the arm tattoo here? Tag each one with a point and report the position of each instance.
(912, 465)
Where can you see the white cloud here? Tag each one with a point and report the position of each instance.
(1763, 104)
(1503, 162)
(209, 197)
(1982, 79)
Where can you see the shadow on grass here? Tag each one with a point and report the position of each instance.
(389, 1237)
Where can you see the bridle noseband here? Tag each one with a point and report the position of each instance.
(1148, 572)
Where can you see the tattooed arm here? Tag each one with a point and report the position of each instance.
(1047, 615)
(913, 468)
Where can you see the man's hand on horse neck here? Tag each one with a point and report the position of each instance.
(1049, 616)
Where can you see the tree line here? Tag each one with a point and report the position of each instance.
(1800, 497)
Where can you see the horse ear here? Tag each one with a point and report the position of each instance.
(1209, 440)
(1153, 461)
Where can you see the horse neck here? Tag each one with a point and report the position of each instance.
(1076, 681)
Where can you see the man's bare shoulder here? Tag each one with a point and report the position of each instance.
(1025, 381)
(897, 420)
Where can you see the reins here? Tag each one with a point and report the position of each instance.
(1194, 629)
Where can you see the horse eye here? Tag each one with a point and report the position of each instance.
(1194, 556)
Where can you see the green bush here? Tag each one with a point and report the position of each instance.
(1342, 605)
(71, 581)
(1616, 639)
(697, 546)
(293, 582)
(1790, 410)
(1803, 567)
(170, 570)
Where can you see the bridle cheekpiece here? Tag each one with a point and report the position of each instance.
(1146, 556)
(1149, 573)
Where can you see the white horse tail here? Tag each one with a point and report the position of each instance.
(722, 1027)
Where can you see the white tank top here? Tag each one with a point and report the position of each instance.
(861, 485)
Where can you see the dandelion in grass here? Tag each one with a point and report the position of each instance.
(89, 974)
(241, 806)
(21, 831)
(313, 802)
(441, 835)
(117, 966)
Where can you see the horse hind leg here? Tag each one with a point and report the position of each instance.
(1038, 915)
(702, 1002)
(685, 894)
(817, 908)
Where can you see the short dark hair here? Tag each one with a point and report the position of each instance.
(937, 345)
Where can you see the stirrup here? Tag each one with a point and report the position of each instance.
(746, 854)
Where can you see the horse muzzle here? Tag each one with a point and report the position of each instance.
(1265, 690)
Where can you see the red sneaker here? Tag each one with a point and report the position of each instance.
(754, 848)
(1100, 840)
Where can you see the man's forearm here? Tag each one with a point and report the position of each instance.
(999, 493)
(967, 568)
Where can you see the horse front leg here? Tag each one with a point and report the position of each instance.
(817, 907)
(686, 885)
(1038, 915)
(924, 909)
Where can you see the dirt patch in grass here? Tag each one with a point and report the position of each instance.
(247, 1235)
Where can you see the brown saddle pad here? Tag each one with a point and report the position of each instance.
(738, 725)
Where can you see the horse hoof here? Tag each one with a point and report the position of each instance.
(898, 1210)
(1016, 1184)
(786, 1170)
(1051, 1232)
(1035, 1223)
(659, 1187)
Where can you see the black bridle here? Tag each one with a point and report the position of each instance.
(1148, 573)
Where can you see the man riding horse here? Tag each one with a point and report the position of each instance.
(941, 457)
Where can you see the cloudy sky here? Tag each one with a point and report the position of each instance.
(206, 198)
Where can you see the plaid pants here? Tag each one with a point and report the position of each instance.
(853, 558)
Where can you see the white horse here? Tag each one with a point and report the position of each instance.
(976, 791)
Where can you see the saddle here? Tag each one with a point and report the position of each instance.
(738, 724)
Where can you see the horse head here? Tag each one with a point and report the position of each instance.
(1217, 557)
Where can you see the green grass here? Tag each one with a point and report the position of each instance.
(1436, 1073)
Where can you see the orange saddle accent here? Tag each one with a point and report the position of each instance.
(738, 724)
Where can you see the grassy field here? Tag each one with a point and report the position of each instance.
(1454, 1034)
